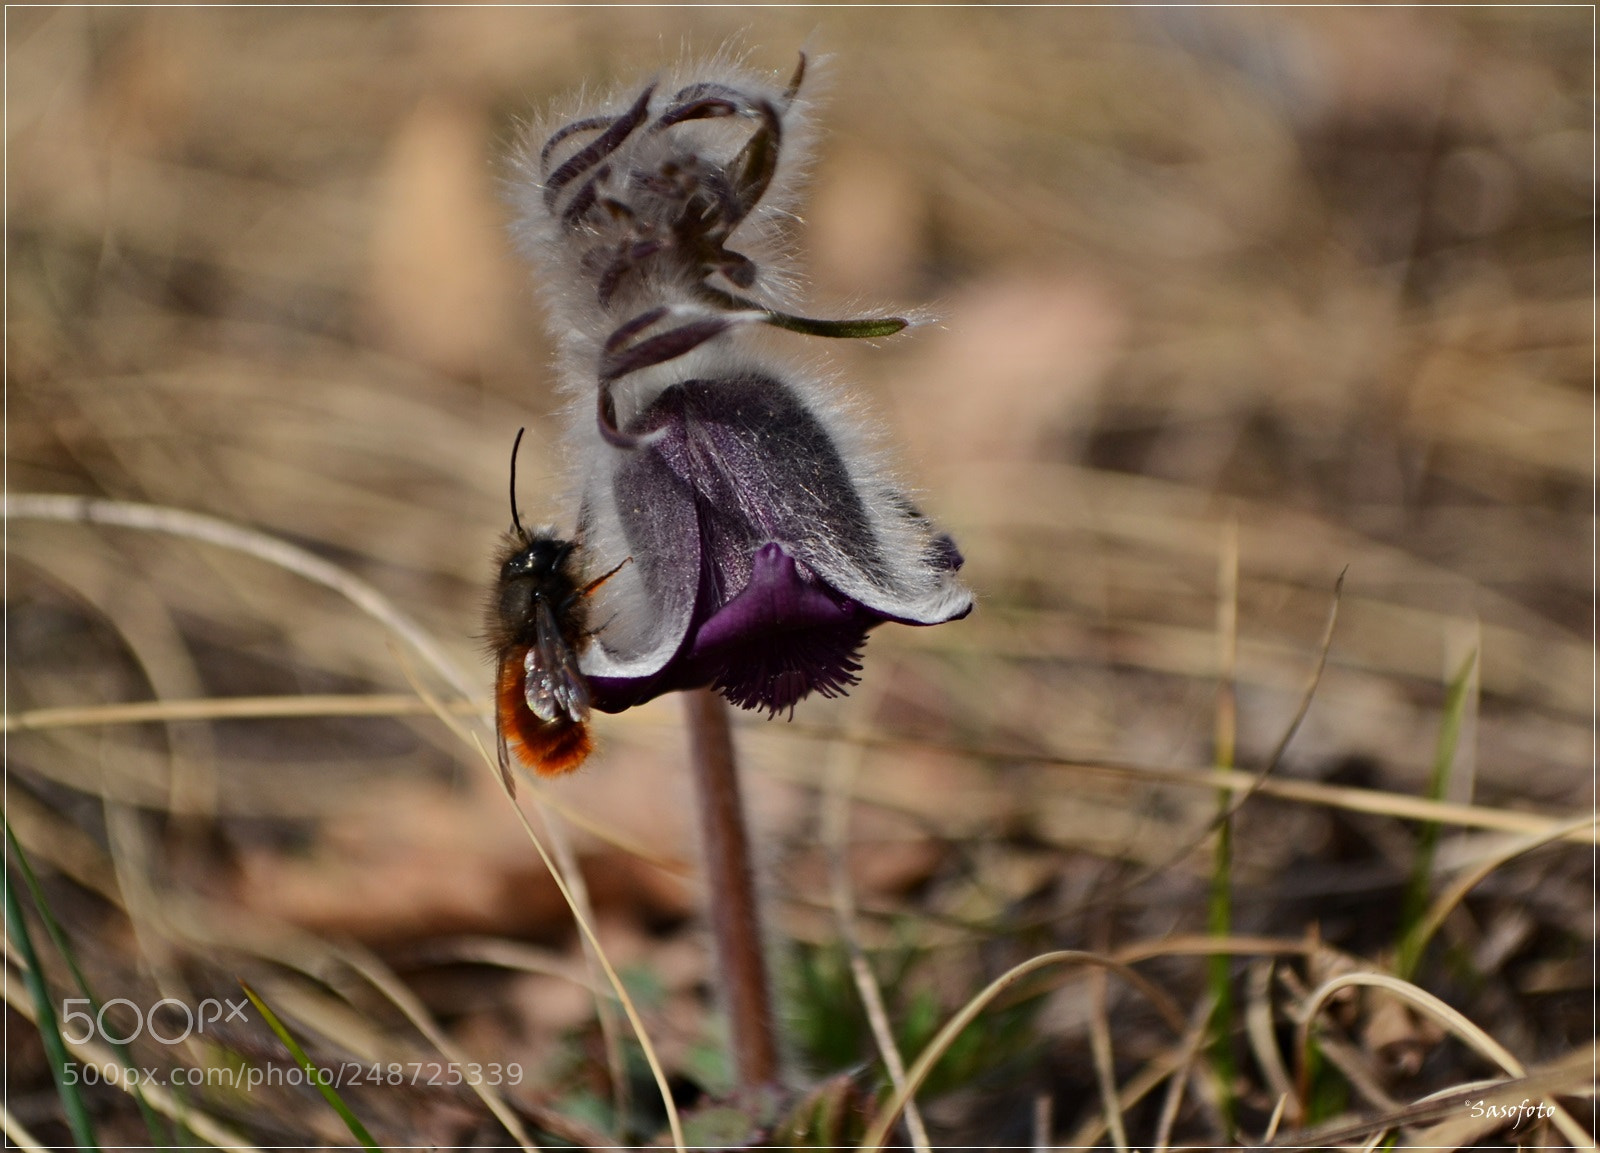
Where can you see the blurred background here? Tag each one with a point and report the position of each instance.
(1307, 292)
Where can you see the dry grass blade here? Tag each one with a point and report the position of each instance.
(1261, 1031)
(1137, 1088)
(316, 959)
(878, 1131)
(1224, 754)
(843, 767)
(323, 705)
(377, 974)
(568, 879)
(1572, 1076)
(45, 836)
(1104, 1062)
(1276, 1119)
(1422, 932)
(1377, 802)
(132, 860)
(502, 954)
(1200, 945)
(1449, 1110)
(1401, 805)
(147, 627)
(1226, 720)
(17, 1134)
(224, 534)
(609, 835)
(229, 708)
(1105, 1066)
(1324, 647)
(1356, 1067)
(1188, 1048)
(673, 1121)
(1445, 1015)
(1043, 1123)
(1375, 1141)
(605, 1011)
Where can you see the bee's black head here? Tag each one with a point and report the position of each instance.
(534, 567)
(540, 558)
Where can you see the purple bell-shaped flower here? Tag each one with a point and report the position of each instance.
(766, 535)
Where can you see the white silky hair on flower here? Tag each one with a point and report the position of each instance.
(661, 221)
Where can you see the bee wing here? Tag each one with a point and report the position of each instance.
(560, 665)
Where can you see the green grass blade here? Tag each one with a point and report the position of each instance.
(159, 1136)
(352, 1122)
(1408, 953)
(49, 1029)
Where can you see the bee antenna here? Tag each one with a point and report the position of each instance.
(516, 521)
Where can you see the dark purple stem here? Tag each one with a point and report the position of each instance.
(731, 891)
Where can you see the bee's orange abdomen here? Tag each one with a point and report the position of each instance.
(549, 748)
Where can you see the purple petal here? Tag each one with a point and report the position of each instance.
(754, 537)
(777, 599)
(763, 469)
(784, 636)
(645, 615)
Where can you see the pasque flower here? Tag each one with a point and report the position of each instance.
(767, 535)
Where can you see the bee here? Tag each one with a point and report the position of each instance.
(536, 625)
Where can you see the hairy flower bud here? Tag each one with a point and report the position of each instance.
(633, 203)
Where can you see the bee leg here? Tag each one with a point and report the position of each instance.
(600, 580)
